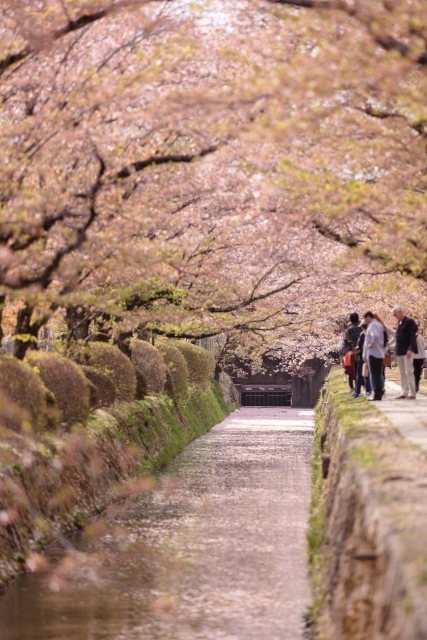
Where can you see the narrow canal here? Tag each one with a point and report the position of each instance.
(216, 552)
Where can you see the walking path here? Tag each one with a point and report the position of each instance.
(218, 551)
(408, 416)
(268, 419)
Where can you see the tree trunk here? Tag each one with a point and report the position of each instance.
(2, 303)
(78, 321)
(103, 331)
(28, 330)
(123, 342)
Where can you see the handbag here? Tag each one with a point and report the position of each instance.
(387, 360)
(365, 370)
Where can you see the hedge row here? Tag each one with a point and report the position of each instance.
(49, 389)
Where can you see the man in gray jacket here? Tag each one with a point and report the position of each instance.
(373, 353)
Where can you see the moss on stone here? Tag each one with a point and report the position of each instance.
(351, 432)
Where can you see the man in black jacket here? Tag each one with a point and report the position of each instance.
(351, 337)
(406, 347)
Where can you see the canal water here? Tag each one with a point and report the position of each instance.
(217, 551)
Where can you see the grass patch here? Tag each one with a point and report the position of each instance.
(356, 416)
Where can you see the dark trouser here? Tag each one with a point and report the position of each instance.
(361, 381)
(376, 369)
(418, 365)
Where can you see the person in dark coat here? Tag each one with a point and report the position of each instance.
(351, 338)
(406, 347)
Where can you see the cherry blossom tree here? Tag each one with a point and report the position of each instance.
(251, 172)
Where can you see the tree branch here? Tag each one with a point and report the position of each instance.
(419, 126)
(82, 21)
(386, 41)
(159, 160)
(252, 298)
(330, 234)
(26, 239)
(43, 278)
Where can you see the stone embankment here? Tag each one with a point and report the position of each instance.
(52, 484)
(368, 529)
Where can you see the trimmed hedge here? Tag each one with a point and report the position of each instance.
(141, 385)
(116, 365)
(22, 395)
(93, 394)
(150, 361)
(169, 386)
(106, 389)
(66, 381)
(177, 378)
(200, 363)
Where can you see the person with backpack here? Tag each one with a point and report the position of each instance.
(406, 348)
(373, 353)
(419, 358)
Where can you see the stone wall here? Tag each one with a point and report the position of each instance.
(368, 528)
(306, 387)
(52, 484)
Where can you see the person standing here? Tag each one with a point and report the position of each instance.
(351, 338)
(405, 349)
(360, 379)
(419, 358)
(373, 353)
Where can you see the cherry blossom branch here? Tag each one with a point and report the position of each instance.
(419, 126)
(140, 165)
(385, 40)
(44, 278)
(396, 267)
(84, 20)
(252, 298)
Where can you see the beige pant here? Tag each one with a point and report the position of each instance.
(406, 368)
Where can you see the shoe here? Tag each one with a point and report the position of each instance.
(401, 398)
(374, 399)
(356, 395)
(411, 398)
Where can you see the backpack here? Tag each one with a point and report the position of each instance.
(349, 365)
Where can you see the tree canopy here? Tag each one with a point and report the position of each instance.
(253, 172)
